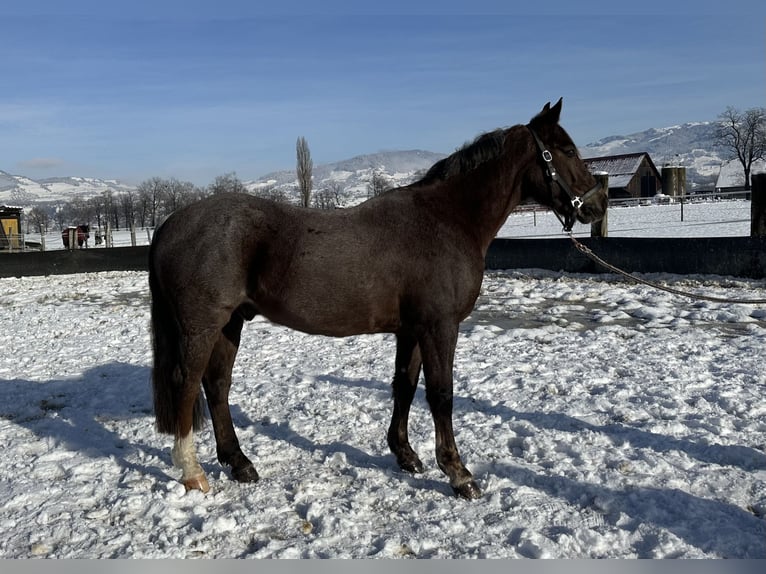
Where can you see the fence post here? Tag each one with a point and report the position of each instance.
(42, 239)
(758, 205)
(72, 231)
(133, 235)
(601, 228)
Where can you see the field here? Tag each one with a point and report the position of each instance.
(602, 420)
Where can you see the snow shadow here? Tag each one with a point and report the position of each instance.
(90, 414)
(355, 457)
(743, 457)
(720, 524)
(714, 526)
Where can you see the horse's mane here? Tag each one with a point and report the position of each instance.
(484, 148)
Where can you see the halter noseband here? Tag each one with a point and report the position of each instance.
(577, 200)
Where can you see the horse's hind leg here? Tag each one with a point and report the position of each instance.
(189, 413)
(217, 382)
(405, 384)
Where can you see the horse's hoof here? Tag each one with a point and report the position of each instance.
(468, 490)
(198, 482)
(245, 474)
(413, 466)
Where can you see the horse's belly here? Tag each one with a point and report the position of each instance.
(335, 318)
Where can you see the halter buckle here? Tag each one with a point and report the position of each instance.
(577, 203)
(547, 156)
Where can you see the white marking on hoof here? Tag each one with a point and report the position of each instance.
(184, 456)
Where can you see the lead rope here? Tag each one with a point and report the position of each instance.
(588, 253)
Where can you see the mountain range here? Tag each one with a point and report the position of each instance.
(691, 145)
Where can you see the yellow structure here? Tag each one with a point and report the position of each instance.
(10, 228)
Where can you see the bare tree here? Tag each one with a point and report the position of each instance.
(40, 219)
(304, 167)
(743, 134)
(150, 196)
(379, 184)
(178, 194)
(330, 196)
(128, 201)
(270, 192)
(227, 183)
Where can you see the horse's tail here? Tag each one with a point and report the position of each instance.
(167, 372)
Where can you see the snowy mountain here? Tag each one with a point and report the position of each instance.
(691, 145)
(22, 191)
(353, 175)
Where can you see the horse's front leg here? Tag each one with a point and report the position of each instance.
(405, 384)
(437, 345)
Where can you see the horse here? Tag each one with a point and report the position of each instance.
(408, 262)
(81, 233)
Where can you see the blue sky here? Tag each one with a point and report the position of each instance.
(197, 89)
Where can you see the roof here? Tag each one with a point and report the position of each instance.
(733, 175)
(621, 168)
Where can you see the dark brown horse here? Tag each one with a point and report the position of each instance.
(409, 262)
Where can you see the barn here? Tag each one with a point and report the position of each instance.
(731, 177)
(630, 174)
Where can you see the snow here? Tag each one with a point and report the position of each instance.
(727, 218)
(601, 419)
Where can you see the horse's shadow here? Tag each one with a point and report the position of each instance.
(721, 525)
(76, 414)
(744, 457)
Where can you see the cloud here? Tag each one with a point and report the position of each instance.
(41, 163)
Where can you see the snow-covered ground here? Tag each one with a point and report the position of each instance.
(728, 218)
(601, 419)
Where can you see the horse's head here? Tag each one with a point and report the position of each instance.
(559, 178)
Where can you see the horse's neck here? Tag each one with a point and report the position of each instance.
(487, 202)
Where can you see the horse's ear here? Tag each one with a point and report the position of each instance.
(556, 111)
(548, 115)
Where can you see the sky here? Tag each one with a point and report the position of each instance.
(194, 89)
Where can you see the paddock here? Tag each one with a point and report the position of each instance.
(601, 419)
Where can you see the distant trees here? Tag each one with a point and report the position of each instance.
(153, 199)
(227, 183)
(304, 167)
(378, 184)
(39, 219)
(330, 196)
(743, 134)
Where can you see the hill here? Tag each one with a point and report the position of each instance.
(691, 145)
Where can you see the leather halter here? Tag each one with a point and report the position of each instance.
(577, 200)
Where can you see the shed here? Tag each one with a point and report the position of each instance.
(731, 177)
(630, 174)
(10, 227)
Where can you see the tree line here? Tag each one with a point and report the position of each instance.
(157, 197)
(144, 206)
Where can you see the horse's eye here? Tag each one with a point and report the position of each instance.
(571, 153)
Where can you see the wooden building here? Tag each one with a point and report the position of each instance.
(10, 228)
(630, 174)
